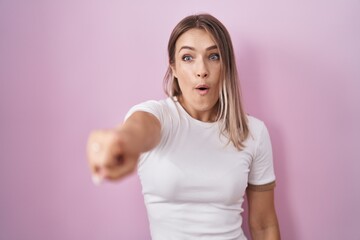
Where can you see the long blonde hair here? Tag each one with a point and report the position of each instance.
(231, 113)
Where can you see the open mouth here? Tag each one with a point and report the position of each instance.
(202, 89)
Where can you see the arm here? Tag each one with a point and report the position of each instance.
(142, 131)
(262, 216)
(114, 153)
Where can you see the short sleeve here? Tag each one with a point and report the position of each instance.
(261, 175)
(153, 107)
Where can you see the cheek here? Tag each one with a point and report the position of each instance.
(184, 84)
(184, 76)
(183, 71)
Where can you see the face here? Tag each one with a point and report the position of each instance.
(197, 67)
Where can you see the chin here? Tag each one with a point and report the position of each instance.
(206, 106)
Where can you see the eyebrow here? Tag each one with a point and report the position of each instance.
(193, 49)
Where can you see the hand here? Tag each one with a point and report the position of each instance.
(110, 156)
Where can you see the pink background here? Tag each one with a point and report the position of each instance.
(67, 67)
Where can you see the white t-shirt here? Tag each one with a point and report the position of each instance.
(194, 182)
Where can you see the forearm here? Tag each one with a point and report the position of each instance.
(266, 233)
(262, 215)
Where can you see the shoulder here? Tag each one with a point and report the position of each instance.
(162, 104)
(158, 108)
(256, 126)
(259, 136)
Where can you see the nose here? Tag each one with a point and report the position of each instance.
(202, 75)
(201, 70)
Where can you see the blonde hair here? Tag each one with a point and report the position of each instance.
(231, 113)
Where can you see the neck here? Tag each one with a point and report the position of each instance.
(201, 115)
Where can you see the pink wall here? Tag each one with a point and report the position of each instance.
(67, 67)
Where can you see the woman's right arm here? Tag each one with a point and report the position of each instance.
(113, 154)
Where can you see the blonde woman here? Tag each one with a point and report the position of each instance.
(197, 153)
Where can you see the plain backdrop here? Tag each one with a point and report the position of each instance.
(70, 66)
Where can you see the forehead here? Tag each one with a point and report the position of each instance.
(197, 38)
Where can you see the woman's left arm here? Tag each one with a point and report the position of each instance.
(262, 215)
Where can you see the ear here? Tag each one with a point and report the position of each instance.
(173, 70)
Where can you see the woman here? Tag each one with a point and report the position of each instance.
(196, 152)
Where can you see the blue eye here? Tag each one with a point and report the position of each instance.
(214, 57)
(186, 58)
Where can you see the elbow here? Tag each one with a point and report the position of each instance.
(265, 229)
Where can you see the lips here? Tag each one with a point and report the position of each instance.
(202, 89)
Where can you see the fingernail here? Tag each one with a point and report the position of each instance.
(97, 180)
(95, 146)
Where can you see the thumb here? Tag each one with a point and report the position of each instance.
(124, 166)
(97, 178)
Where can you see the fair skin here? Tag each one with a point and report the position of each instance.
(197, 67)
(113, 154)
